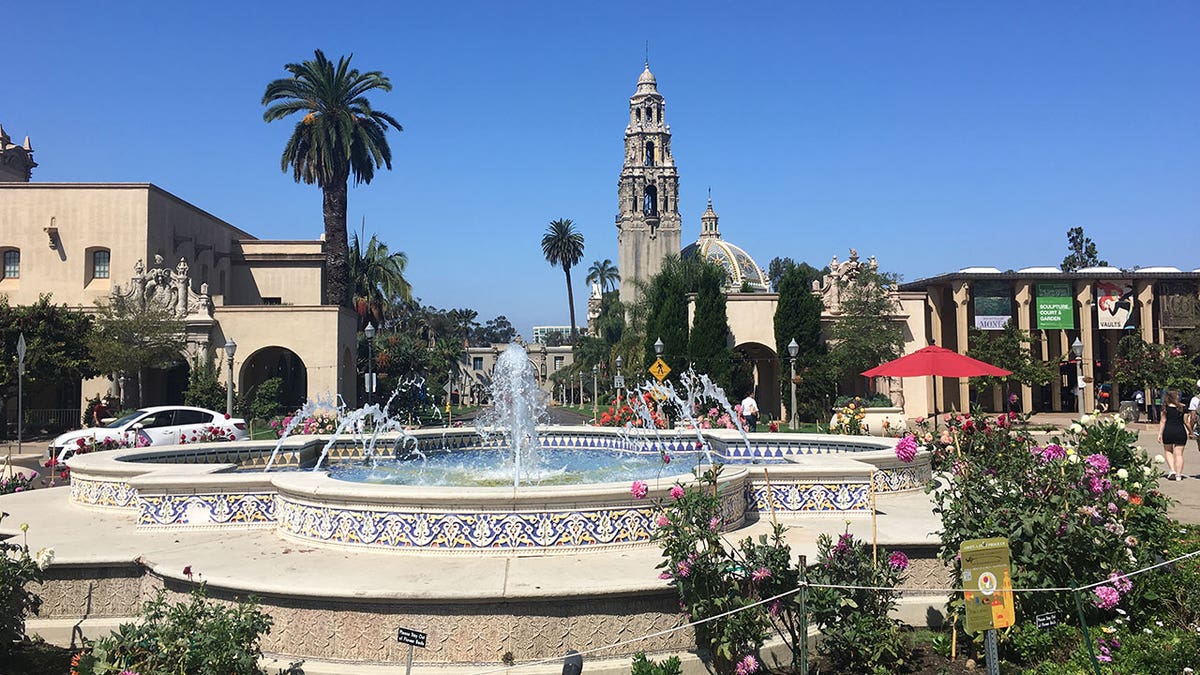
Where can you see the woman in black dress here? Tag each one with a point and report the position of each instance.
(1173, 433)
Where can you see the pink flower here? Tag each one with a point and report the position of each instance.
(1098, 462)
(666, 459)
(665, 575)
(747, 665)
(1120, 582)
(760, 574)
(639, 489)
(676, 492)
(683, 568)
(775, 608)
(662, 520)
(714, 523)
(906, 448)
(898, 561)
(187, 571)
(1107, 597)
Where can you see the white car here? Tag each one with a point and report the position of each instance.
(157, 425)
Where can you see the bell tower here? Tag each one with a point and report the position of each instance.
(648, 223)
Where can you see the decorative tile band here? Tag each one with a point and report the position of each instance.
(198, 510)
(102, 493)
(901, 478)
(800, 497)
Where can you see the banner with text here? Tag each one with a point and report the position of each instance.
(1114, 304)
(993, 304)
(1055, 308)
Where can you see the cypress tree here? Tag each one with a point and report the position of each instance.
(667, 316)
(798, 317)
(708, 344)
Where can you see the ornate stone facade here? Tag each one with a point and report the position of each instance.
(16, 161)
(648, 222)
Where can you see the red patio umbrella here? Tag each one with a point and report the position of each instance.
(938, 361)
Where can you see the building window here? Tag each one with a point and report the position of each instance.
(100, 260)
(477, 363)
(558, 363)
(272, 301)
(12, 264)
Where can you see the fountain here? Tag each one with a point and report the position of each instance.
(519, 406)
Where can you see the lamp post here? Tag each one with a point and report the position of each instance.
(658, 347)
(619, 380)
(230, 350)
(595, 391)
(369, 332)
(1077, 348)
(793, 350)
(21, 347)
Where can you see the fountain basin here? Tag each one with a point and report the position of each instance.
(217, 486)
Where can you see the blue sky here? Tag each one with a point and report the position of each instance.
(932, 135)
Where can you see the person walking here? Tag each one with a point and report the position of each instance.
(750, 412)
(1174, 428)
(1194, 414)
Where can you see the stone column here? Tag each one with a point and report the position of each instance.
(1144, 291)
(962, 300)
(1085, 296)
(1024, 298)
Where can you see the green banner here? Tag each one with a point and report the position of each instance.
(1055, 306)
(993, 304)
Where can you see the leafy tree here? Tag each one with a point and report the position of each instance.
(266, 401)
(56, 347)
(708, 344)
(129, 339)
(378, 278)
(866, 333)
(798, 317)
(666, 317)
(339, 135)
(204, 388)
(495, 331)
(778, 266)
(562, 245)
(1010, 349)
(1142, 365)
(604, 273)
(1083, 252)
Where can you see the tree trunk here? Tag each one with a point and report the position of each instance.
(570, 301)
(337, 261)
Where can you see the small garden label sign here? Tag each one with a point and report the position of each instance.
(987, 584)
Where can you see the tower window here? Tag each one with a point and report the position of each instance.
(650, 201)
(639, 114)
(650, 153)
(12, 264)
(100, 263)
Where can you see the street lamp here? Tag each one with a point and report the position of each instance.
(658, 347)
(369, 331)
(1077, 348)
(793, 350)
(619, 380)
(595, 391)
(230, 350)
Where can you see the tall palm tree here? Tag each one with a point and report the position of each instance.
(563, 246)
(603, 273)
(377, 275)
(339, 135)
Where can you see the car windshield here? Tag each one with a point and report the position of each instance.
(124, 420)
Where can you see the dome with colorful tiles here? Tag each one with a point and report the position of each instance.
(740, 269)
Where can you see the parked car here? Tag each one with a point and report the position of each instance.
(157, 425)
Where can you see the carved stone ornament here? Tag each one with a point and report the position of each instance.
(166, 289)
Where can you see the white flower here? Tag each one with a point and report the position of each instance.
(1122, 474)
(44, 557)
(1159, 459)
(1086, 419)
(1139, 448)
(1137, 486)
(1076, 428)
(1158, 623)
(1188, 670)
(1150, 471)
(1074, 459)
(1120, 422)
(1121, 611)
(1147, 631)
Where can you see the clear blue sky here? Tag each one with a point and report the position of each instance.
(931, 135)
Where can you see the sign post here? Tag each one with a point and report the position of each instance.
(987, 586)
(20, 391)
(412, 638)
(660, 370)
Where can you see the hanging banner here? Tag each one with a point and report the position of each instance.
(1055, 307)
(993, 304)
(1179, 304)
(1114, 304)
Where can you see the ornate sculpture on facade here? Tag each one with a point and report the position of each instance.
(841, 274)
(16, 161)
(166, 289)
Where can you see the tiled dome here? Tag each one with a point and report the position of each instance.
(739, 267)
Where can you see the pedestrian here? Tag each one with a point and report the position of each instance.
(750, 411)
(99, 412)
(1139, 397)
(1194, 414)
(1173, 431)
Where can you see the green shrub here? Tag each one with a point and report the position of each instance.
(18, 571)
(875, 400)
(858, 633)
(644, 666)
(198, 636)
(204, 390)
(266, 402)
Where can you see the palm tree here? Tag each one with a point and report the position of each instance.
(563, 246)
(378, 278)
(603, 273)
(339, 135)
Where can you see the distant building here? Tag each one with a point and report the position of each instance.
(541, 334)
(476, 364)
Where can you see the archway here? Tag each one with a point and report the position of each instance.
(765, 367)
(279, 362)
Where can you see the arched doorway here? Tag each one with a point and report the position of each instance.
(765, 368)
(279, 362)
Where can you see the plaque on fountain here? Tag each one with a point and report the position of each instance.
(409, 636)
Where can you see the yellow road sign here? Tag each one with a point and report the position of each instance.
(660, 369)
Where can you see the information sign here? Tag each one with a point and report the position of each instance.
(409, 636)
(660, 370)
(987, 582)
(618, 382)
(1055, 306)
